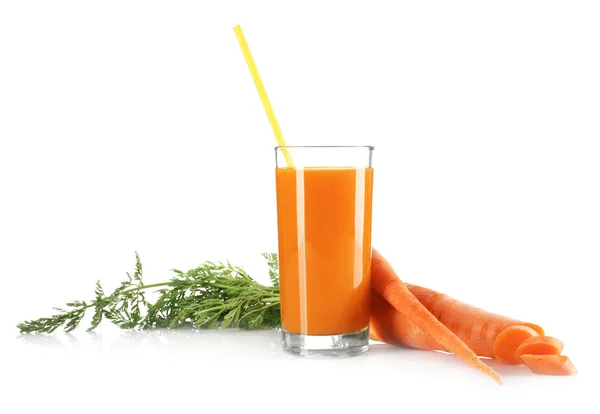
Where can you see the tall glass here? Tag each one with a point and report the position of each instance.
(324, 227)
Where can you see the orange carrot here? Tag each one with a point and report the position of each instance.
(373, 331)
(392, 327)
(549, 364)
(535, 327)
(387, 283)
(477, 328)
(539, 345)
(506, 344)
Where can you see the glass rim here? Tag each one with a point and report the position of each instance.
(369, 147)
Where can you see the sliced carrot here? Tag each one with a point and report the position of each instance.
(386, 282)
(549, 364)
(539, 345)
(476, 327)
(535, 327)
(508, 341)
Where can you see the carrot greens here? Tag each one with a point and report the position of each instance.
(214, 294)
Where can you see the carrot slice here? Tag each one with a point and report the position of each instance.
(549, 364)
(535, 327)
(508, 341)
(539, 345)
(386, 282)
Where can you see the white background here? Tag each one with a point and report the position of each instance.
(134, 126)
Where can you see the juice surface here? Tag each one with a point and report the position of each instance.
(324, 227)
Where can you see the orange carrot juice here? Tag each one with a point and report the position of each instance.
(324, 227)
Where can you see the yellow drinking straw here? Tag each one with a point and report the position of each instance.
(262, 93)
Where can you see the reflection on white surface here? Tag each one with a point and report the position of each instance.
(259, 341)
(183, 370)
(233, 344)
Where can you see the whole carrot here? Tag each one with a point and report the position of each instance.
(392, 327)
(387, 284)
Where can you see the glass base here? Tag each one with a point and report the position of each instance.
(337, 346)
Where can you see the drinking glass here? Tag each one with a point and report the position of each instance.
(324, 209)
